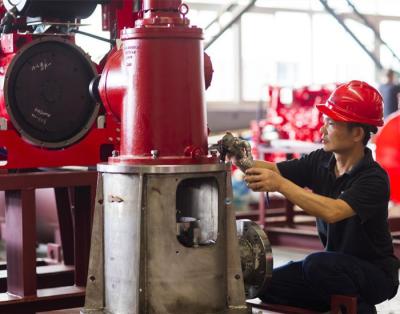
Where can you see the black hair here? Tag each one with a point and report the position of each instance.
(368, 129)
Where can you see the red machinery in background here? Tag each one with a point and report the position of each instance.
(47, 115)
(388, 153)
(291, 115)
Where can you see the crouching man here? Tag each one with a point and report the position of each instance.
(349, 198)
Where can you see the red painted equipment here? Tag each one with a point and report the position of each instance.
(163, 117)
(355, 101)
(291, 115)
(388, 153)
(47, 116)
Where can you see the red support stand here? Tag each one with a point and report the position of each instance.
(82, 216)
(25, 278)
(21, 242)
(65, 224)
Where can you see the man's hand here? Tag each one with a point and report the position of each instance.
(263, 180)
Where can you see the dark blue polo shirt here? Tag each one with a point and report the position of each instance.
(366, 189)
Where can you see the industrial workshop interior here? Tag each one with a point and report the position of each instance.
(199, 156)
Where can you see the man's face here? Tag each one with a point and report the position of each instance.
(336, 136)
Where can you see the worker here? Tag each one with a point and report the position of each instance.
(390, 91)
(348, 193)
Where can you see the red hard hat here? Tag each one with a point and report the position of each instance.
(355, 101)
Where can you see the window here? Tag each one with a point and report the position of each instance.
(389, 33)
(258, 55)
(94, 47)
(222, 56)
(222, 53)
(274, 53)
(388, 7)
(293, 48)
(337, 57)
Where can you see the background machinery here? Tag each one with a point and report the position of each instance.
(291, 116)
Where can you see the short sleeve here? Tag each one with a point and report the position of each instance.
(367, 195)
(300, 171)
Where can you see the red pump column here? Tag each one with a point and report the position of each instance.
(163, 113)
(161, 4)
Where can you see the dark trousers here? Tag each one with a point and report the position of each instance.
(311, 282)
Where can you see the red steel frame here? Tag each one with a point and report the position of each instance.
(23, 295)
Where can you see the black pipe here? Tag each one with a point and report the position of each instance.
(110, 41)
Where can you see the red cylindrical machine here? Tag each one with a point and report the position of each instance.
(161, 85)
(388, 153)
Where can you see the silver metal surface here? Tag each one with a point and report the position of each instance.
(235, 284)
(122, 216)
(94, 302)
(198, 198)
(154, 153)
(101, 122)
(167, 169)
(147, 270)
(183, 279)
(256, 257)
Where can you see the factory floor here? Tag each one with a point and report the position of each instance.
(282, 255)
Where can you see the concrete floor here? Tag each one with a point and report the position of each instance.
(282, 255)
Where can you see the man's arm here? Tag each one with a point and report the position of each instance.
(266, 165)
(329, 209)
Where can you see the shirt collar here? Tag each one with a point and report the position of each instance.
(367, 160)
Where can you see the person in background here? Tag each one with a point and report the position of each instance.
(349, 197)
(390, 91)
